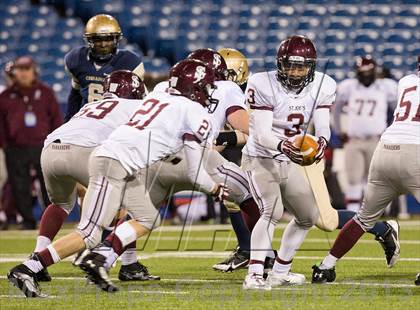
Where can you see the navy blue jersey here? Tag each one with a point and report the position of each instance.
(87, 76)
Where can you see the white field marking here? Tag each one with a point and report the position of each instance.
(13, 258)
(232, 281)
(23, 296)
(161, 292)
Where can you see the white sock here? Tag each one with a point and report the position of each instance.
(261, 238)
(41, 243)
(282, 268)
(33, 265)
(256, 268)
(129, 257)
(329, 262)
(292, 239)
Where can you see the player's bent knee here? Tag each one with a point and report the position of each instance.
(307, 220)
(91, 237)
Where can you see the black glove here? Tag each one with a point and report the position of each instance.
(227, 138)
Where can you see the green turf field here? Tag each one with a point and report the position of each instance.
(188, 282)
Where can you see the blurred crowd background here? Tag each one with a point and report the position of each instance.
(163, 32)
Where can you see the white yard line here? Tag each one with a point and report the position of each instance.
(11, 258)
(231, 281)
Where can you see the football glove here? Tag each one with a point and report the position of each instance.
(221, 193)
(322, 146)
(287, 148)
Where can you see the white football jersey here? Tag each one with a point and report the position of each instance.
(156, 131)
(94, 122)
(230, 97)
(367, 107)
(406, 126)
(291, 112)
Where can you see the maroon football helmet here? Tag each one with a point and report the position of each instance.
(191, 78)
(214, 60)
(296, 62)
(124, 84)
(366, 70)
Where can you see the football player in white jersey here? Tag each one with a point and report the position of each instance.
(394, 170)
(66, 152)
(228, 106)
(230, 109)
(118, 168)
(283, 102)
(368, 101)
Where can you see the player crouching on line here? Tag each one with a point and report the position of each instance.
(394, 170)
(117, 171)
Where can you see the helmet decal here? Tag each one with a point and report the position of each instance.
(200, 73)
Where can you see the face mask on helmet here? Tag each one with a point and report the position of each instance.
(366, 77)
(295, 75)
(102, 48)
(211, 103)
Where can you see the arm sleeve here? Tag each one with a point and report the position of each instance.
(196, 172)
(2, 129)
(198, 125)
(74, 103)
(322, 123)
(262, 129)
(392, 88)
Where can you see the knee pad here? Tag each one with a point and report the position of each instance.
(91, 237)
(151, 221)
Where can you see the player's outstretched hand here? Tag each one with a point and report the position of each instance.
(290, 150)
(322, 146)
(221, 192)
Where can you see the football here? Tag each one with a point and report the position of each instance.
(308, 146)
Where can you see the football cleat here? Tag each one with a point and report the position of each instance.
(417, 281)
(43, 275)
(390, 242)
(78, 258)
(24, 279)
(255, 282)
(322, 275)
(136, 272)
(290, 278)
(94, 266)
(237, 260)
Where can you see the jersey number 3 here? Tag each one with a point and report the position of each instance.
(97, 110)
(148, 112)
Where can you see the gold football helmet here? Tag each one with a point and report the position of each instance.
(102, 33)
(237, 65)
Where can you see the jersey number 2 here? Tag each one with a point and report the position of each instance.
(149, 110)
